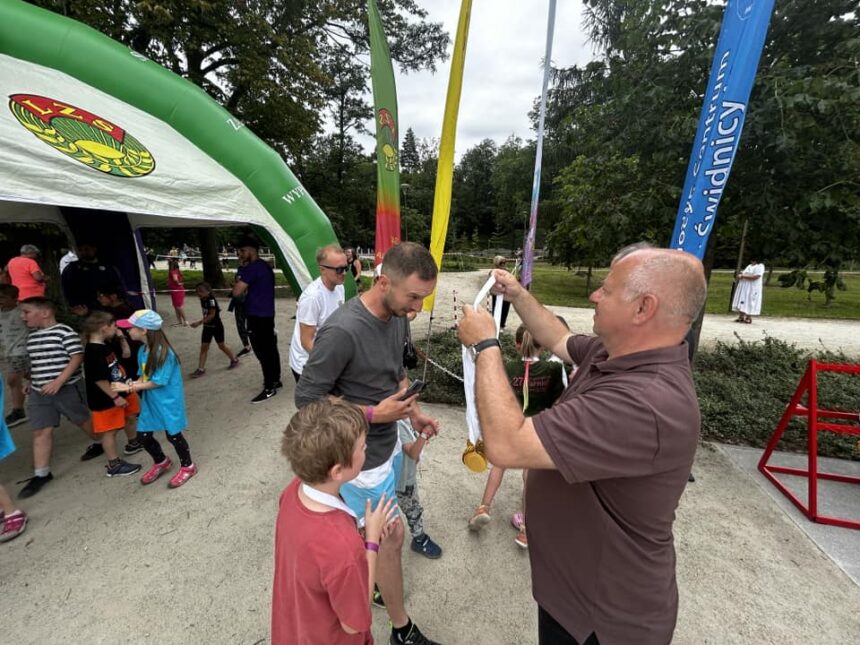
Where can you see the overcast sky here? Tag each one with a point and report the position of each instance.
(503, 72)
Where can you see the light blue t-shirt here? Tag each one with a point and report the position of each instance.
(162, 408)
(7, 446)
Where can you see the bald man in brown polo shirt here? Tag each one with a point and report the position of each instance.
(608, 462)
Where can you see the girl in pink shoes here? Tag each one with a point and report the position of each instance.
(13, 521)
(162, 400)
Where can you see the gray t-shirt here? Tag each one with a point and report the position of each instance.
(359, 357)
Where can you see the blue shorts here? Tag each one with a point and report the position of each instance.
(356, 496)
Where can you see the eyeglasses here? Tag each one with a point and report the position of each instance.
(338, 270)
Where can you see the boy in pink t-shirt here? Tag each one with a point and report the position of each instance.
(324, 569)
(25, 273)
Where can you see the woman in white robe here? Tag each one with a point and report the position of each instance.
(748, 292)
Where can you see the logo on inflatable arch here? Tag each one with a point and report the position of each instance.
(83, 136)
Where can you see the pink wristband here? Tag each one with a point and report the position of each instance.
(368, 413)
(372, 546)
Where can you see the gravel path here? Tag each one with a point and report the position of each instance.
(806, 333)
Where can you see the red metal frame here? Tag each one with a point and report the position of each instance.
(809, 385)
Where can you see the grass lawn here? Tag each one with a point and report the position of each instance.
(554, 285)
(192, 277)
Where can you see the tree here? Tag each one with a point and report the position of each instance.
(473, 194)
(273, 63)
(512, 184)
(598, 198)
(410, 161)
(797, 171)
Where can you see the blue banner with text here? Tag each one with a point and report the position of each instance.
(733, 71)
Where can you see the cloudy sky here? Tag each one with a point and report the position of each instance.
(503, 72)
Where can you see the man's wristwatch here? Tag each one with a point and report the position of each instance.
(479, 347)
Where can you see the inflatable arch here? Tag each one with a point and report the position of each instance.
(102, 141)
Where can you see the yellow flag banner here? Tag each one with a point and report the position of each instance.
(445, 167)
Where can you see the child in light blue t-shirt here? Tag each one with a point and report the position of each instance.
(13, 520)
(162, 398)
(407, 490)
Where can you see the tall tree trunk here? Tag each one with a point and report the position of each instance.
(211, 262)
(739, 263)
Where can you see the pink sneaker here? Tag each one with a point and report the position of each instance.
(156, 471)
(184, 474)
(13, 526)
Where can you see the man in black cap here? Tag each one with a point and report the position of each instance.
(256, 279)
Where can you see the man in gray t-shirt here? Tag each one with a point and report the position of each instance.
(358, 355)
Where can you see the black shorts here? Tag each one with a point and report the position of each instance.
(215, 331)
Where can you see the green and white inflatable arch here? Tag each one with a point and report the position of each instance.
(86, 122)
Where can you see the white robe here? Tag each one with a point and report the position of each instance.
(747, 299)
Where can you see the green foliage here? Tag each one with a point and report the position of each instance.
(598, 199)
(446, 350)
(828, 285)
(743, 390)
(797, 173)
(274, 64)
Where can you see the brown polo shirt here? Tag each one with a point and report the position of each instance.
(622, 436)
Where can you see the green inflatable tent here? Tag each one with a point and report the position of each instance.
(89, 125)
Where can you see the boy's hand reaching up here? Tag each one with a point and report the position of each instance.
(377, 520)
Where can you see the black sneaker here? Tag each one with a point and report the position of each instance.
(414, 637)
(426, 547)
(132, 447)
(93, 450)
(265, 395)
(15, 417)
(121, 469)
(376, 600)
(243, 352)
(34, 485)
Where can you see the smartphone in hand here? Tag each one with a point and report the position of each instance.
(414, 388)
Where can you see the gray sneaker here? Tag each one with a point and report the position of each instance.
(121, 469)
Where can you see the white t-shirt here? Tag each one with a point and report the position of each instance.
(315, 305)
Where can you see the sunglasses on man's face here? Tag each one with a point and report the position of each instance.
(338, 270)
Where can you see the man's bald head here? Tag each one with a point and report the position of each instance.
(676, 278)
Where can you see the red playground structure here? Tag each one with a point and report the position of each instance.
(849, 424)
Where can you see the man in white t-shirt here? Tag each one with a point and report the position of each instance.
(321, 298)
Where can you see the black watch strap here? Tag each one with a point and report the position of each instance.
(477, 348)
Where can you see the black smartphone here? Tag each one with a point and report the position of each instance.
(414, 388)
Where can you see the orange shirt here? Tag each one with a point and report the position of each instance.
(21, 272)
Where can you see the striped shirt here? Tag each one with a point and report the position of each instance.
(50, 350)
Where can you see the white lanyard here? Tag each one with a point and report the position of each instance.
(483, 293)
(327, 500)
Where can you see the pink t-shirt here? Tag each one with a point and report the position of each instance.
(21, 272)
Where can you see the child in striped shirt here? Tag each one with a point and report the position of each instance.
(56, 385)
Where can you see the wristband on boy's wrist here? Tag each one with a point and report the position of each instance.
(372, 546)
(368, 413)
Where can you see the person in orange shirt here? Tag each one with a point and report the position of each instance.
(25, 273)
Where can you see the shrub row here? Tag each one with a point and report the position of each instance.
(743, 389)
